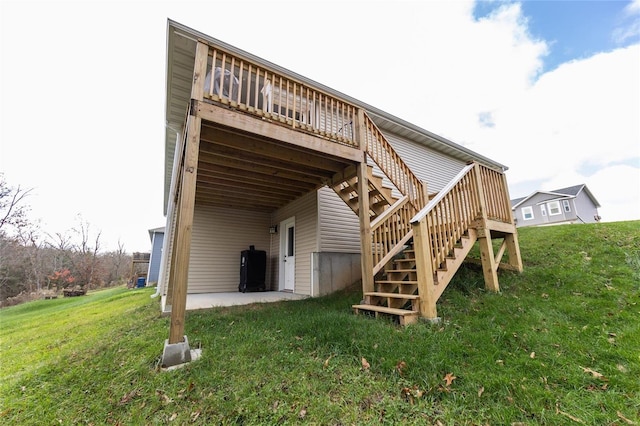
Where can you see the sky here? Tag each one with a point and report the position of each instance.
(549, 88)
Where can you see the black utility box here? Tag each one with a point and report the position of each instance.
(253, 267)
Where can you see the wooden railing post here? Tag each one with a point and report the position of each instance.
(186, 204)
(424, 269)
(489, 268)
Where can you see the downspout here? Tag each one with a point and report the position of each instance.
(169, 222)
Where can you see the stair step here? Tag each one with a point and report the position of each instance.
(394, 295)
(400, 270)
(385, 310)
(397, 282)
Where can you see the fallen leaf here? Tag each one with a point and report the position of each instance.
(128, 397)
(575, 419)
(298, 338)
(400, 367)
(195, 415)
(480, 391)
(302, 413)
(532, 355)
(626, 420)
(365, 364)
(326, 361)
(449, 378)
(594, 373)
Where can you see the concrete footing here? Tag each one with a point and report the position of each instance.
(176, 353)
(436, 320)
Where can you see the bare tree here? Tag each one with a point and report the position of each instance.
(13, 210)
(87, 262)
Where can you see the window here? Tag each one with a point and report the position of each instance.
(566, 206)
(543, 210)
(527, 213)
(554, 208)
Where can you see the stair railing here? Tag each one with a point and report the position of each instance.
(390, 232)
(449, 214)
(389, 161)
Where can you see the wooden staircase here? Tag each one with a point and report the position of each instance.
(417, 244)
(345, 184)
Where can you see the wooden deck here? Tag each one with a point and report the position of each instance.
(258, 139)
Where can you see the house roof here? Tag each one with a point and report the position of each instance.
(568, 192)
(181, 42)
(159, 230)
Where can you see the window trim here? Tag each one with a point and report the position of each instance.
(525, 210)
(551, 206)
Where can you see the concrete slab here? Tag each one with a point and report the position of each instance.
(212, 300)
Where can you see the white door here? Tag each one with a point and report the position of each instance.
(287, 254)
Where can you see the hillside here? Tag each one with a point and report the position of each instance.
(559, 345)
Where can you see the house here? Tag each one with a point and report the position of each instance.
(575, 204)
(157, 238)
(332, 189)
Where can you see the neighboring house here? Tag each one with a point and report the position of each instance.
(575, 204)
(268, 158)
(157, 239)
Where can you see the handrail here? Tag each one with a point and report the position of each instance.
(389, 161)
(441, 194)
(390, 232)
(260, 90)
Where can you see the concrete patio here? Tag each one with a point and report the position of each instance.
(212, 300)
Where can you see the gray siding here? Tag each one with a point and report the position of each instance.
(584, 208)
(219, 235)
(305, 211)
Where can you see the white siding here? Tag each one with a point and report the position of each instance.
(433, 167)
(339, 225)
(305, 211)
(219, 235)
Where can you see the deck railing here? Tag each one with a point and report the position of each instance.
(254, 88)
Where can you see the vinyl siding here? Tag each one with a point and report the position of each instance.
(219, 235)
(305, 211)
(430, 166)
(339, 226)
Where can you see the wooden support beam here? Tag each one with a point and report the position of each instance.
(246, 123)
(186, 205)
(513, 251)
(424, 269)
(365, 229)
(366, 249)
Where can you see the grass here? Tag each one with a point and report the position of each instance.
(559, 345)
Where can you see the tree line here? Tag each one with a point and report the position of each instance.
(34, 263)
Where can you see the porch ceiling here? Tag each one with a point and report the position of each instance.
(246, 171)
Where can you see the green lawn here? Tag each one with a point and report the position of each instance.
(559, 345)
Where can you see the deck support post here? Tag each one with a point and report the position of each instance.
(489, 269)
(177, 346)
(424, 270)
(366, 253)
(511, 239)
